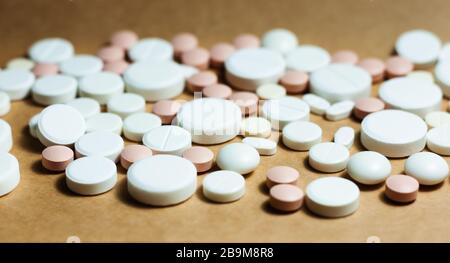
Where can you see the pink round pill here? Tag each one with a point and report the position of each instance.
(183, 42)
(200, 156)
(401, 188)
(133, 153)
(111, 54)
(345, 56)
(281, 175)
(197, 57)
(365, 106)
(124, 39)
(220, 91)
(286, 197)
(246, 41)
(247, 101)
(166, 110)
(398, 67)
(198, 81)
(219, 54)
(294, 81)
(375, 67)
(44, 69)
(117, 67)
(57, 157)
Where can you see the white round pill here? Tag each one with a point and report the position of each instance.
(256, 126)
(86, 106)
(81, 65)
(60, 124)
(262, 145)
(345, 136)
(51, 50)
(442, 77)
(428, 168)
(6, 140)
(437, 119)
(285, 110)
(238, 157)
(162, 180)
(223, 186)
(53, 89)
(102, 143)
(138, 124)
(279, 39)
(340, 110)
(332, 197)
(101, 86)
(270, 91)
(301, 135)
(151, 49)
(126, 104)
(393, 133)
(337, 82)
(16, 83)
(167, 139)
(419, 46)
(328, 157)
(20, 63)
(369, 167)
(104, 121)
(91, 175)
(33, 125)
(318, 105)
(438, 140)
(5, 103)
(307, 58)
(9, 173)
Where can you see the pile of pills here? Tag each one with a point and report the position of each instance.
(95, 117)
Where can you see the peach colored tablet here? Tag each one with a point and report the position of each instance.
(375, 67)
(246, 41)
(183, 42)
(57, 157)
(118, 67)
(42, 69)
(286, 197)
(198, 81)
(201, 157)
(398, 67)
(111, 54)
(401, 188)
(166, 110)
(365, 106)
(220, 91)
(281, 175)
(219, 53)
(197, 57)
(124, 39)
(295, 81)
(133, 153)
(247, 101)
(345, 56)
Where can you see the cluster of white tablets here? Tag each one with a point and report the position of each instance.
(96, 106)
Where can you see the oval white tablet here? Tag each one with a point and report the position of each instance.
(151, 49)
(270, 91)
(9, 173)
(442, 77)
(16, 83)
(126, 104)
(340, 110)
(301, 135)
(6, 140)
(162, 180)
(285, 110)
(101, 86)
(5, 103)
(345, 136)
(256, 126)
(238, 157)
(104, 121)
(318, 105)
(262, 145)
(81, 65)
(438, 140)
(223, 186)
(54, 89)
(279, 39)
(437, 119)
(421, 47)
(369, 167)
(307, 58)
(328, 157)
(393, 133)
(102, 143)
(51, 50)
(428, 168)
(86, 106)
(167, 139)
(138, 124)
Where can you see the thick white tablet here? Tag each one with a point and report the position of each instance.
(104, 121)
(262, 145)
(369, 167)
(5, 103)
(307, 58)
(162, 180)
(223, 186)
(126, 104)
(9, 173)
(270, 91)
(332, 197)
(437, 119)
(428, 168)
(151, 49)
(51, 50)
(20, 63)
(238, 157)
(101, 86)
(16, 83)
(285, 110)
(33, 125)
(138, 124)
(340, 110)
(81, 65)
(408, 94)
(167, 139)
(301, 135)
(6, 140)
(438, 140)
(337, 82)
(328, 157)
(210, 120)
(421, 47)
(279, 39)
(91, 175)
(442, 77)
(256, 126)
(317, 105)
(393, 133)
(86, 106)
(60, 124)
(53, 89)
(102, 143)
(249, 68)
(345, 136)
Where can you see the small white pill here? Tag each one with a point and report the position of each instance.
(340, 110)
(437, 119)
(328, 157)
(101, 86)
(318, 105)
(223, 186)
(20, 63)
(151, 49)
(442, 77)
(138, 124)
(438, 140)
(126, 104)
(421, 75)
(345, 136)
(238, 157)
(332, 197)
(6, 140)
(9, 173)
(279, 39)
(16, 83)
(53, 89)
(51, 50)
(91, 175)
(419, 46)
(5, 103)
(369, 167)
(33, 125)
(285, 110)
(81, 65)
(104, 121)
(256, 126)
(301, 135)
(86, 106)
(428, 168)
(103, 143)
(162, 180)
(167, 139)
(307, 58)
(270, 91)
(262, 145)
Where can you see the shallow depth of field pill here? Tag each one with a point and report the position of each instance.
(124, 39)
(247, 101)
(104, 121)
(375, 67)
(279, 39)
(6, 140)
(57, 157)
(81, 65)
(101, 86)
(197, 57)
(188, 71)
(101, 143)
(307, 58)
(369, 167)
(256, 126)
(262, 145)
(166, 110)
(5, 103)
(219, 91)
(285, 110)
(286, 197)
(281, 175)
(201, 157)
(294, 81)
(133, 153)
(16, 83)
(238, 157)
(224, 186)
(198, 81)
(167, 139)
(20, 63)
(151, 49)
(51, 50)
(419, 46)
(345, 136)
(118, 67)
(219, 53)
(421, 75)
(318, 105)
(126, 104)
(32, 125)
(398, 67)
(111, 54)
(270, 91)
(442, 78)
(428, 168)
(345, 56)
(54, 89)
(9, 174)
(45, 69)
(301, 135)
(437, 119)
(438, 140)
(365, 106)
(401, 188)
(246, 40)
(138, 124)
(183, 42)
(340, 110)
(328, 157)
(86, 106)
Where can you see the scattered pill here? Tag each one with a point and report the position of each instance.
(81, 65)
(369, 167)
(151, 49)
(101, 86)
(365, 106)
(124, 39)
(427, 168)
(301, 135)
(126, 104)
(442, 77)
(219, 91)
(270, 91)
(279, 39)
(5, 103)
(286, 197)
(45, 69)
(166, 110)
(375, 67)
(9, 174)
(138, 124)
(281, 175)
(111, 54)
(328, 157)
(86, 106)
(201, 157)
(318, 105)
(247, 102)
(20, 63)
(294, 81)
(340, 110)
(438, 140)
(103, 143)
(345, 56)
(167, 139)
(398, 67)
(183, 42)
(224, 186)
(197, 57)
(104, 121)
(16, 83)
(401, 188)
(118, 67)
(419, 46)
(437, 119)
(262, 145)
(421, 75)
(285, 110)
(133, 153)
(6, 140)
(307, 58)
(54, 89)
(32, 125)
(56, 158)
(345, 136)
(238, 157)
(197, 82)
(219, 53)
(256, 126)
(246, 41)
(51, 50)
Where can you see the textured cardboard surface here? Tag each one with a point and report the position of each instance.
(43, 209)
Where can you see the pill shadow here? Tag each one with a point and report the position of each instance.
(121, 193)
(61, 186)
(29, 143)
(430, 188)
(37, 168)
(262, 187)
(383, 198)
(266, 207)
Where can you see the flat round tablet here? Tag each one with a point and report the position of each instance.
(285, 110)
(421, 75)
(9, 174)
(81, 65)
(238, 157)
(337, 82)
(56, 158)
(345, 56)
(369, 167)
(20, 63)
(45, 69)
(166, 110)
(154, 80)
(51, 50)
(307, 58)
(318, 105)
(210, 120)
(393, 133)
(200, 80)
(32, 125)
(428, 168)
(281, 175)
(60, 124)
(279, 39)
(332, 197)
(256, 126)
(103, 143)
(138, 124)
(247, 101)
(124, 39)
(340, 110)
(438, 140)
(442, 77)
(111, 54)
(101, 86)
(262, 145)
(104, 121)
(246, 40)
(86, 106)
(118, 67)
(365, 106)
(188, 71)
(270, 91)
(197, 57)
(328, 157)
(167, 139)
(411, 95)
(54, 89)
(345, 136)
(201, 157)
(151, 49)
(419, 46)
(133, 153)
(437, 119)
(224, 186)
(249, 68)
(219, 53)
(375, 67)
(286, 197)
(294, 81)
(91, 175)
(6, 140)
(301, 135)
(219, 91)
(183, 42)
(126, 104)
(401, 188)
(5, 103)
(16, 83)
(162, 180)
